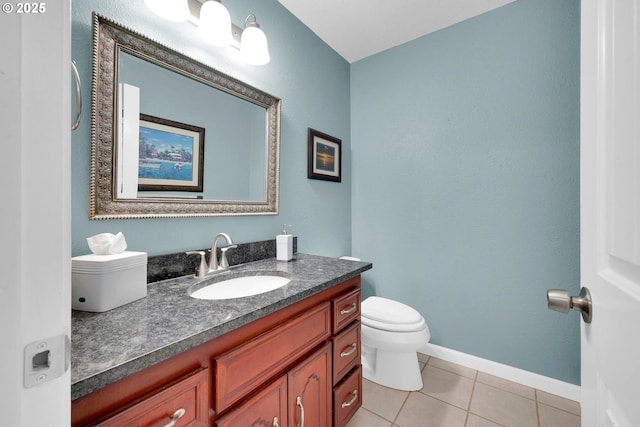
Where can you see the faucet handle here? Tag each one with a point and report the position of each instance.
(223, 257)
(202, 267)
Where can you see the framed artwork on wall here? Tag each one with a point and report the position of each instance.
(171, 155)
(325, 157)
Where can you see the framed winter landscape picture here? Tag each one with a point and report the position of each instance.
(171, 155)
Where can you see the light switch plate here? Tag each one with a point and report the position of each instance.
(46, 359)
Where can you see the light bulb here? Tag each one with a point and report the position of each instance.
(254, 49)
(215, 24)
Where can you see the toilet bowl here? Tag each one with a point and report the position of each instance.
(392, 333)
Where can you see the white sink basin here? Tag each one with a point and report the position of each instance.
(239, 287)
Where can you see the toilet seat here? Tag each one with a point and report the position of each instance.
(388, 315)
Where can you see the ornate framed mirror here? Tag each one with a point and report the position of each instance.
(158, 116)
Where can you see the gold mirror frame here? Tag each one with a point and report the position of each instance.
(109, 39)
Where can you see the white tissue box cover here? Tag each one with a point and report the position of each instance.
(103, 282)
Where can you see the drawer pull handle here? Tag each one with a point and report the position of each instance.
(299, 403)
(353, 399)
(350, 351)
(349, 310)
(275, 422)
(176, 416)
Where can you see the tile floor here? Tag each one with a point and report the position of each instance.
(457, 396)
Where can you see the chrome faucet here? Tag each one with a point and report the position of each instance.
(223, 264)
(214, 265)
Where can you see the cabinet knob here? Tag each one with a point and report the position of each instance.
(176, 416)
(275, 422)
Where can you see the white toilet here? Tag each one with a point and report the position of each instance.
(392, 333)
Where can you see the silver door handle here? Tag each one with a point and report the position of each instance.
(559, 300)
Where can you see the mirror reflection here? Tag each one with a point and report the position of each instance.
(173, 137)
(191, 137)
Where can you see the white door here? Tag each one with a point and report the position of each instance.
(610, 211)
(35, 212)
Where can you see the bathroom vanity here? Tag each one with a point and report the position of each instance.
(288, 357)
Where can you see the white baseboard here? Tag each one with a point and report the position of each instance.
(537, 381)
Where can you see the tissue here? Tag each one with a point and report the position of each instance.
(107, 244)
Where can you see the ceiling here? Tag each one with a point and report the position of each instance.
(360, 28)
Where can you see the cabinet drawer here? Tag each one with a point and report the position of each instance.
(267, 408)
(188, 396)
(346, 309)
(346, 351)
(347, 398)
(244, 368)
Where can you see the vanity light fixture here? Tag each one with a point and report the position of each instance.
(215, 27)
(171, 10)
(253, 43)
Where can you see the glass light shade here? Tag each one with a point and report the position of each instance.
(254, 49)
(172, 10)
(215, 24)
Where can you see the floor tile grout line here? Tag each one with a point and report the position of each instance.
(473, 389)
(557, 409)
(424, 393)
(511, 392)
(452, 371)
(440, 400)
(538, 403)
(476, 381)
(401, 408)
(375, 414)
(535, 394)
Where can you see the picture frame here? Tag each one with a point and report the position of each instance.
(171, 155)
(324, 157)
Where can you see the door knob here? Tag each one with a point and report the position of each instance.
(559, 300)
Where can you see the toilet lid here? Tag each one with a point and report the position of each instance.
(390, 315)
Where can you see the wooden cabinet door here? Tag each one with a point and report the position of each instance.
(268, 408)
(309, 385)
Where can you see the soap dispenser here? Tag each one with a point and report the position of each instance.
(284, 245)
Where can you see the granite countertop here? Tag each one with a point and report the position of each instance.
(109, 346)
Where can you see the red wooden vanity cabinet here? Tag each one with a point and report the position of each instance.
(302, 361)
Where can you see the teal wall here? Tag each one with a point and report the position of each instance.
(313, 83)
(465, 148)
